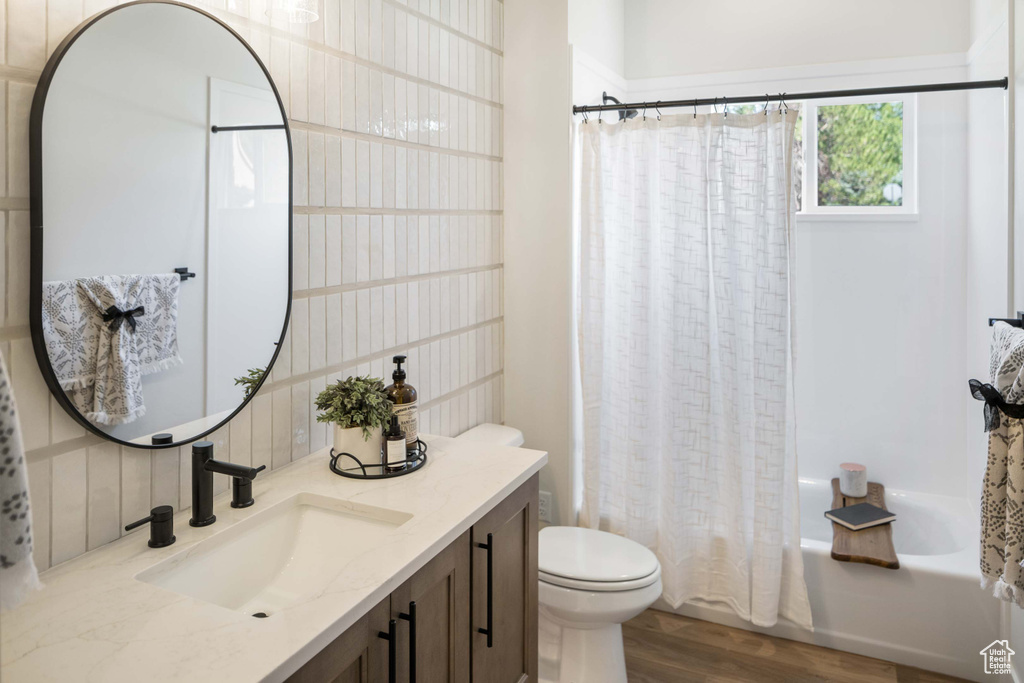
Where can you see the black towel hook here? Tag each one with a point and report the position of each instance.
(183, 272)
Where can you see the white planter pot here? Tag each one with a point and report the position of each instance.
(351, 440)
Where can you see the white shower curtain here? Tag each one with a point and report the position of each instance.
(686, 357)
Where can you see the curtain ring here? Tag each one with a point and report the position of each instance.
(715, 105)
(586, 119)
(784, 103)
(725, 106)
(780, 102)
(657, 107)
(765, 110)
(645, 111)
(600, 113)
(695, 107)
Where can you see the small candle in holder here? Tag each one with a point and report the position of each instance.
(853, 480)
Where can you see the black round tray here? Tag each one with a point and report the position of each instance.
(378, 471)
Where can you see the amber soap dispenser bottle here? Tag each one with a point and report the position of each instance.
(403, 395)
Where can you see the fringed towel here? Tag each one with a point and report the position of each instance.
(18, 576)
(1002, 495)
(104, 333)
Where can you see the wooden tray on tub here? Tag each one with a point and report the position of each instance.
(869, 546)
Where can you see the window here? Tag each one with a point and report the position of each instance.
(858, 158)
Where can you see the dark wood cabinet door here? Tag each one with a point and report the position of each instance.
(511, 656)
(432, 609)
(358, 655)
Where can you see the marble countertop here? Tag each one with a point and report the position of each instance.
(94, 621)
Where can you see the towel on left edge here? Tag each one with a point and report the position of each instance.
(18, 576)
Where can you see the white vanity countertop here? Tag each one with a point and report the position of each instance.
(95, 622)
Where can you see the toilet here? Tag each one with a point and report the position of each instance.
(590, 583)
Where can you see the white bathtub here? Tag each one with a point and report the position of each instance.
(930, 613)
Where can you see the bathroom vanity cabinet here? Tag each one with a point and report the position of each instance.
(416, 539)
(433, 627)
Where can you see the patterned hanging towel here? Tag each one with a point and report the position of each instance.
(18, 576)
(103, 334)
(1002, 496)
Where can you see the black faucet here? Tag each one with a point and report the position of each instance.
(203, 467)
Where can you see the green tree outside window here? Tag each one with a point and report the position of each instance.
(860, 154)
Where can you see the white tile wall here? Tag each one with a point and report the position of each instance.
(395, 108)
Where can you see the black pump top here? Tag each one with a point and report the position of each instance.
(395, 429)
(399, 373)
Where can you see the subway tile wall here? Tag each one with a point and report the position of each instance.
(395, 109)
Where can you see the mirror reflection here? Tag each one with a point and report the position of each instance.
(165, 270)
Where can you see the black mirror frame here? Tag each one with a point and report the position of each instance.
(36, 224)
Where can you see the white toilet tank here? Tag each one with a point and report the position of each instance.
(495, 435)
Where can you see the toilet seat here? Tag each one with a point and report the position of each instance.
(601, 586)
(592, 560)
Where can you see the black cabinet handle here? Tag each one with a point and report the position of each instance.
(411, 618)
(489, 631)
(392, 637)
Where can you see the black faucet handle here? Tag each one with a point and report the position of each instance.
(161, 529)
(241, 489)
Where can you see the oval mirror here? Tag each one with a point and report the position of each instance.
(161, 223)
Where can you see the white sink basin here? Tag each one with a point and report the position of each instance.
(278, 557)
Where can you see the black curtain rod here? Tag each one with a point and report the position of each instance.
(793, 97)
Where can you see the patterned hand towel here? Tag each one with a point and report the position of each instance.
(18, 576)
(1002, 496)
(103, 334)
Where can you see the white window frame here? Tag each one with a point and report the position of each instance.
(909, 208)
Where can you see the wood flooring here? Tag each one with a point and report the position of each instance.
(667, 648)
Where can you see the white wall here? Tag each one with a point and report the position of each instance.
(538, 238)
(674, 37)
(986, 16)
(985, 273)
(597, 27)
(880, 326)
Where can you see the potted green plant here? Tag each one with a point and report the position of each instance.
(359, 409)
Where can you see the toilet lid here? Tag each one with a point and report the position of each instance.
(591, 555)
